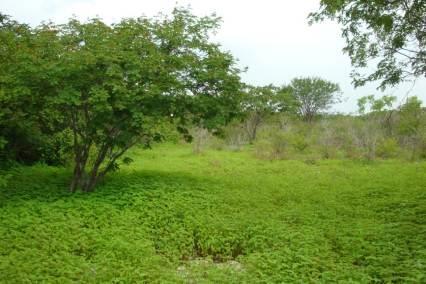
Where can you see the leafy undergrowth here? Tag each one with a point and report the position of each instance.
(223, 217)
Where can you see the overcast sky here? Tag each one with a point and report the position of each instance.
(270, 37)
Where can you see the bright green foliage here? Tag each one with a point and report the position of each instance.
(412, 117)
(24, 127)
(390, 32)
(258, 103)
(412, 126)
(375, 105)
(223, 217)
(388, 148)
(109, 86)
(267, 99)
(313, 95)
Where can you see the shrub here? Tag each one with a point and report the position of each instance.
(274, 146)
(200, 141)
(367, 135)
(57, 148)
(326, 140)
(235, 136)
(388, 148)
(299, 142)
(3, 180)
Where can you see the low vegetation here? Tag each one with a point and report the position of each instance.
(221, 216)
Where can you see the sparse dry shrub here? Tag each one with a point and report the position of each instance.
(200, 141)
(327, 143)
(370, 136)
(367, 136)
(272, 144)
(414, 146)
(235, 136)
(216, 143)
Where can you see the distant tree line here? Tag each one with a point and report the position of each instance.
(381, 129)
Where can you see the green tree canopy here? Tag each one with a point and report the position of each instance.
(391, 34)
(259, 102)
(313, 95)
(110, 85)
(412, 117)
(374, 105)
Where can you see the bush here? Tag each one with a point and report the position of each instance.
(168, 131)
(326, 139)
(299, 142)
(201, 137)
(333, 137)
(29, 145)
(57, 148)
(274, 146)
(217, 143)
(367, 135)
(235, 136)
(388, 148)
(3, 180)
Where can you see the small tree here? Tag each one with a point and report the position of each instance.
(313, 95)
(260, 102)
(112, 84)
(411, 117)
(257, 104)
(379, 109)
(373, 105)
(326, 139)
(412, 125)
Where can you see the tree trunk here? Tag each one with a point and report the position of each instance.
(251, 126)
(76, 178)
(93, 177)
(81, 157)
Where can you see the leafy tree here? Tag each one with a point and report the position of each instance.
(313, 95)
(391, 33)
(411, 117)
(110, 85)
(27, 135)
(259, 102)
(375, 105)
(412, 126)
(13, 38)
(380, 111)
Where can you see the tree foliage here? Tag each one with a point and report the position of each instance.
(412, 117)
(375, 105)
(110, 85)
(313, 95)
(391, 34)
(259, 102)
(19, 130)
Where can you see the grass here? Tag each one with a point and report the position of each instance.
(222, 217)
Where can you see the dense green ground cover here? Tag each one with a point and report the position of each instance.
(221, 217)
